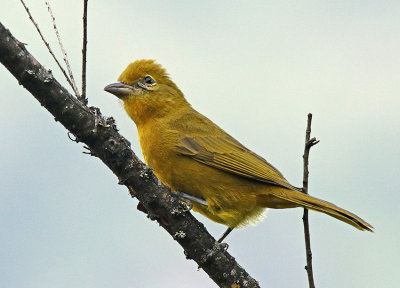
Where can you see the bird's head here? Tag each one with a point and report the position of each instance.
(147, 91)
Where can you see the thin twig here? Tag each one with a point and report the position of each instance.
(65, 57)
(308, 144)
(84, 49)
(47, 44)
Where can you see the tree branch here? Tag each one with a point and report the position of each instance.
(84, 51)
(101, 137)
(307, 146)
(48, 47)
(65, 56)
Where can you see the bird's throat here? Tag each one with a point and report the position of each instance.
(142, 110)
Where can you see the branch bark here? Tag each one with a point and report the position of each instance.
(101, 136)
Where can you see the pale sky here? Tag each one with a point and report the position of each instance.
(256, 68)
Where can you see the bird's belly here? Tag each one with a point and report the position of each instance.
(231, 200)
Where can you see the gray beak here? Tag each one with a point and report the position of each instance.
(121, 90)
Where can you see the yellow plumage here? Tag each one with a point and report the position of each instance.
(191, 154)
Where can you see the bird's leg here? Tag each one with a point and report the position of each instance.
(226, 233)
(190, 197)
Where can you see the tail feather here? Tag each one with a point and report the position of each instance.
(316, 204)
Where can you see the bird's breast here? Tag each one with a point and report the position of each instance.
(158, 145)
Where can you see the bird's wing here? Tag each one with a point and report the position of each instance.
(229, 155)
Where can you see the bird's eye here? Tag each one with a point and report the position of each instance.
(149, 80)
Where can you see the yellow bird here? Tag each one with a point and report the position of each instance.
(226, 182)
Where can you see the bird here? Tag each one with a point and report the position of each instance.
(198, 160)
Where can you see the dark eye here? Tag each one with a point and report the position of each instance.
(149, 80)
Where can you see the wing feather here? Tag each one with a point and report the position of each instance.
(227, 154)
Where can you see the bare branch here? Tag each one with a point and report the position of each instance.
(114, 150)
(84, 51)
(307, 146)
(65, 57)
(48, 46)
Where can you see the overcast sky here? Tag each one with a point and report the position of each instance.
(256, 68)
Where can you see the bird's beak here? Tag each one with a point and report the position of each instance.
(121, 90)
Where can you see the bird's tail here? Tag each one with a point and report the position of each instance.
(312, 203)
